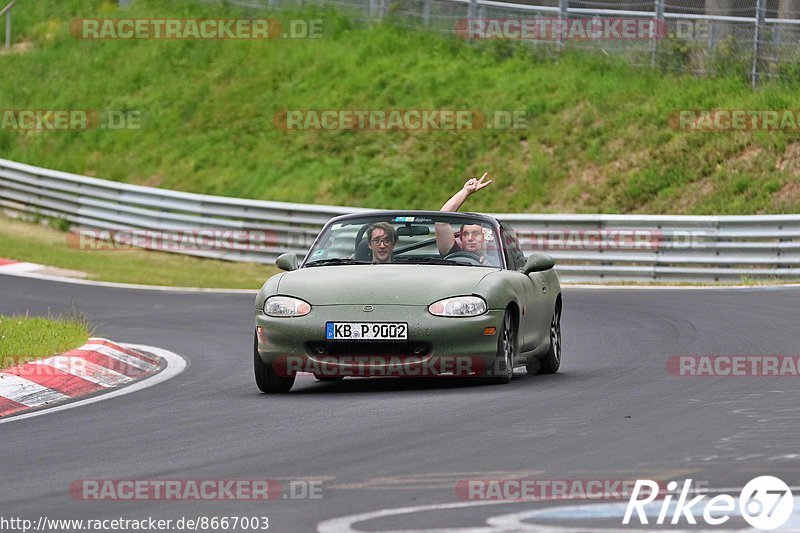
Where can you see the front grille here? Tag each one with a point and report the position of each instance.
(344, 348)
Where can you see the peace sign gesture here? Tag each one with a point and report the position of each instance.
(472, 185)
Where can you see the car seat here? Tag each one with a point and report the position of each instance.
(363, 253)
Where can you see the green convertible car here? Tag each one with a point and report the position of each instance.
(408, 293)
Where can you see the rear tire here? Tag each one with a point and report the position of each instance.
(551, 362)
(503, 368)
(267, 380)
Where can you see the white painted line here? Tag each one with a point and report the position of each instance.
(609, 511)
(175, 365)
(19, 268)
(128, 359)
(80, 367)
(26, 392)
(132, 286)
(511, 522)
(344, 524)
(514, 521)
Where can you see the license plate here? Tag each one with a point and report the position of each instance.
(366, 331)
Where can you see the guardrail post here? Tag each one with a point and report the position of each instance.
(658, 24)
(472, 10)
(761, 9)
(7, 12)
(426, 12)
(563, 15)
(377, 8)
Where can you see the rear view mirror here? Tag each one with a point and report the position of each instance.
(287, 261)
(538, 263)
(412, 231)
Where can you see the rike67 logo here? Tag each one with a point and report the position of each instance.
(765, 503)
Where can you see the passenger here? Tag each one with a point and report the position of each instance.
(381, 239)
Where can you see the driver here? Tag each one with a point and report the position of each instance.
(471, 235)
(381, 238)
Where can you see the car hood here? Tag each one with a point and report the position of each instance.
(381, 284)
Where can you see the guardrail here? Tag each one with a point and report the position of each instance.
(588, 248)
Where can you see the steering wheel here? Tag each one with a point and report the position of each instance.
(471, 257)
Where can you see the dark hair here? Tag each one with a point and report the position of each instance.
(387, 229)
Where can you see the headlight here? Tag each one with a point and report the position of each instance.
(458, 306)
(283, 306)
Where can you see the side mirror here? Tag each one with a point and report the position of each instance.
(287, 261)
(538, 263)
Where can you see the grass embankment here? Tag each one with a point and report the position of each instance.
(598, 137)
(38, 244)
(24, 338)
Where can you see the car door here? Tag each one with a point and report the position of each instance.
(533, 297)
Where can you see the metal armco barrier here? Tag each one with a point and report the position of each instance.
(588, 248)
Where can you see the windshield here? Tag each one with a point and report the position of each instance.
(433, 239)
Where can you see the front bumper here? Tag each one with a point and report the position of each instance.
(435, 344)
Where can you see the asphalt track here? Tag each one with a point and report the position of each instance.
(613, 412)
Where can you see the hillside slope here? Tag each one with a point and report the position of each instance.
(598, 137)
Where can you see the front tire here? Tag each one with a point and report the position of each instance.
(267, 379)
(503, 368)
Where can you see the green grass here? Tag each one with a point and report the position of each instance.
(598, 137)
(39, 244)
(23, 338)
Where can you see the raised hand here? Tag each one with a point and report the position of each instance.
(473, 185)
